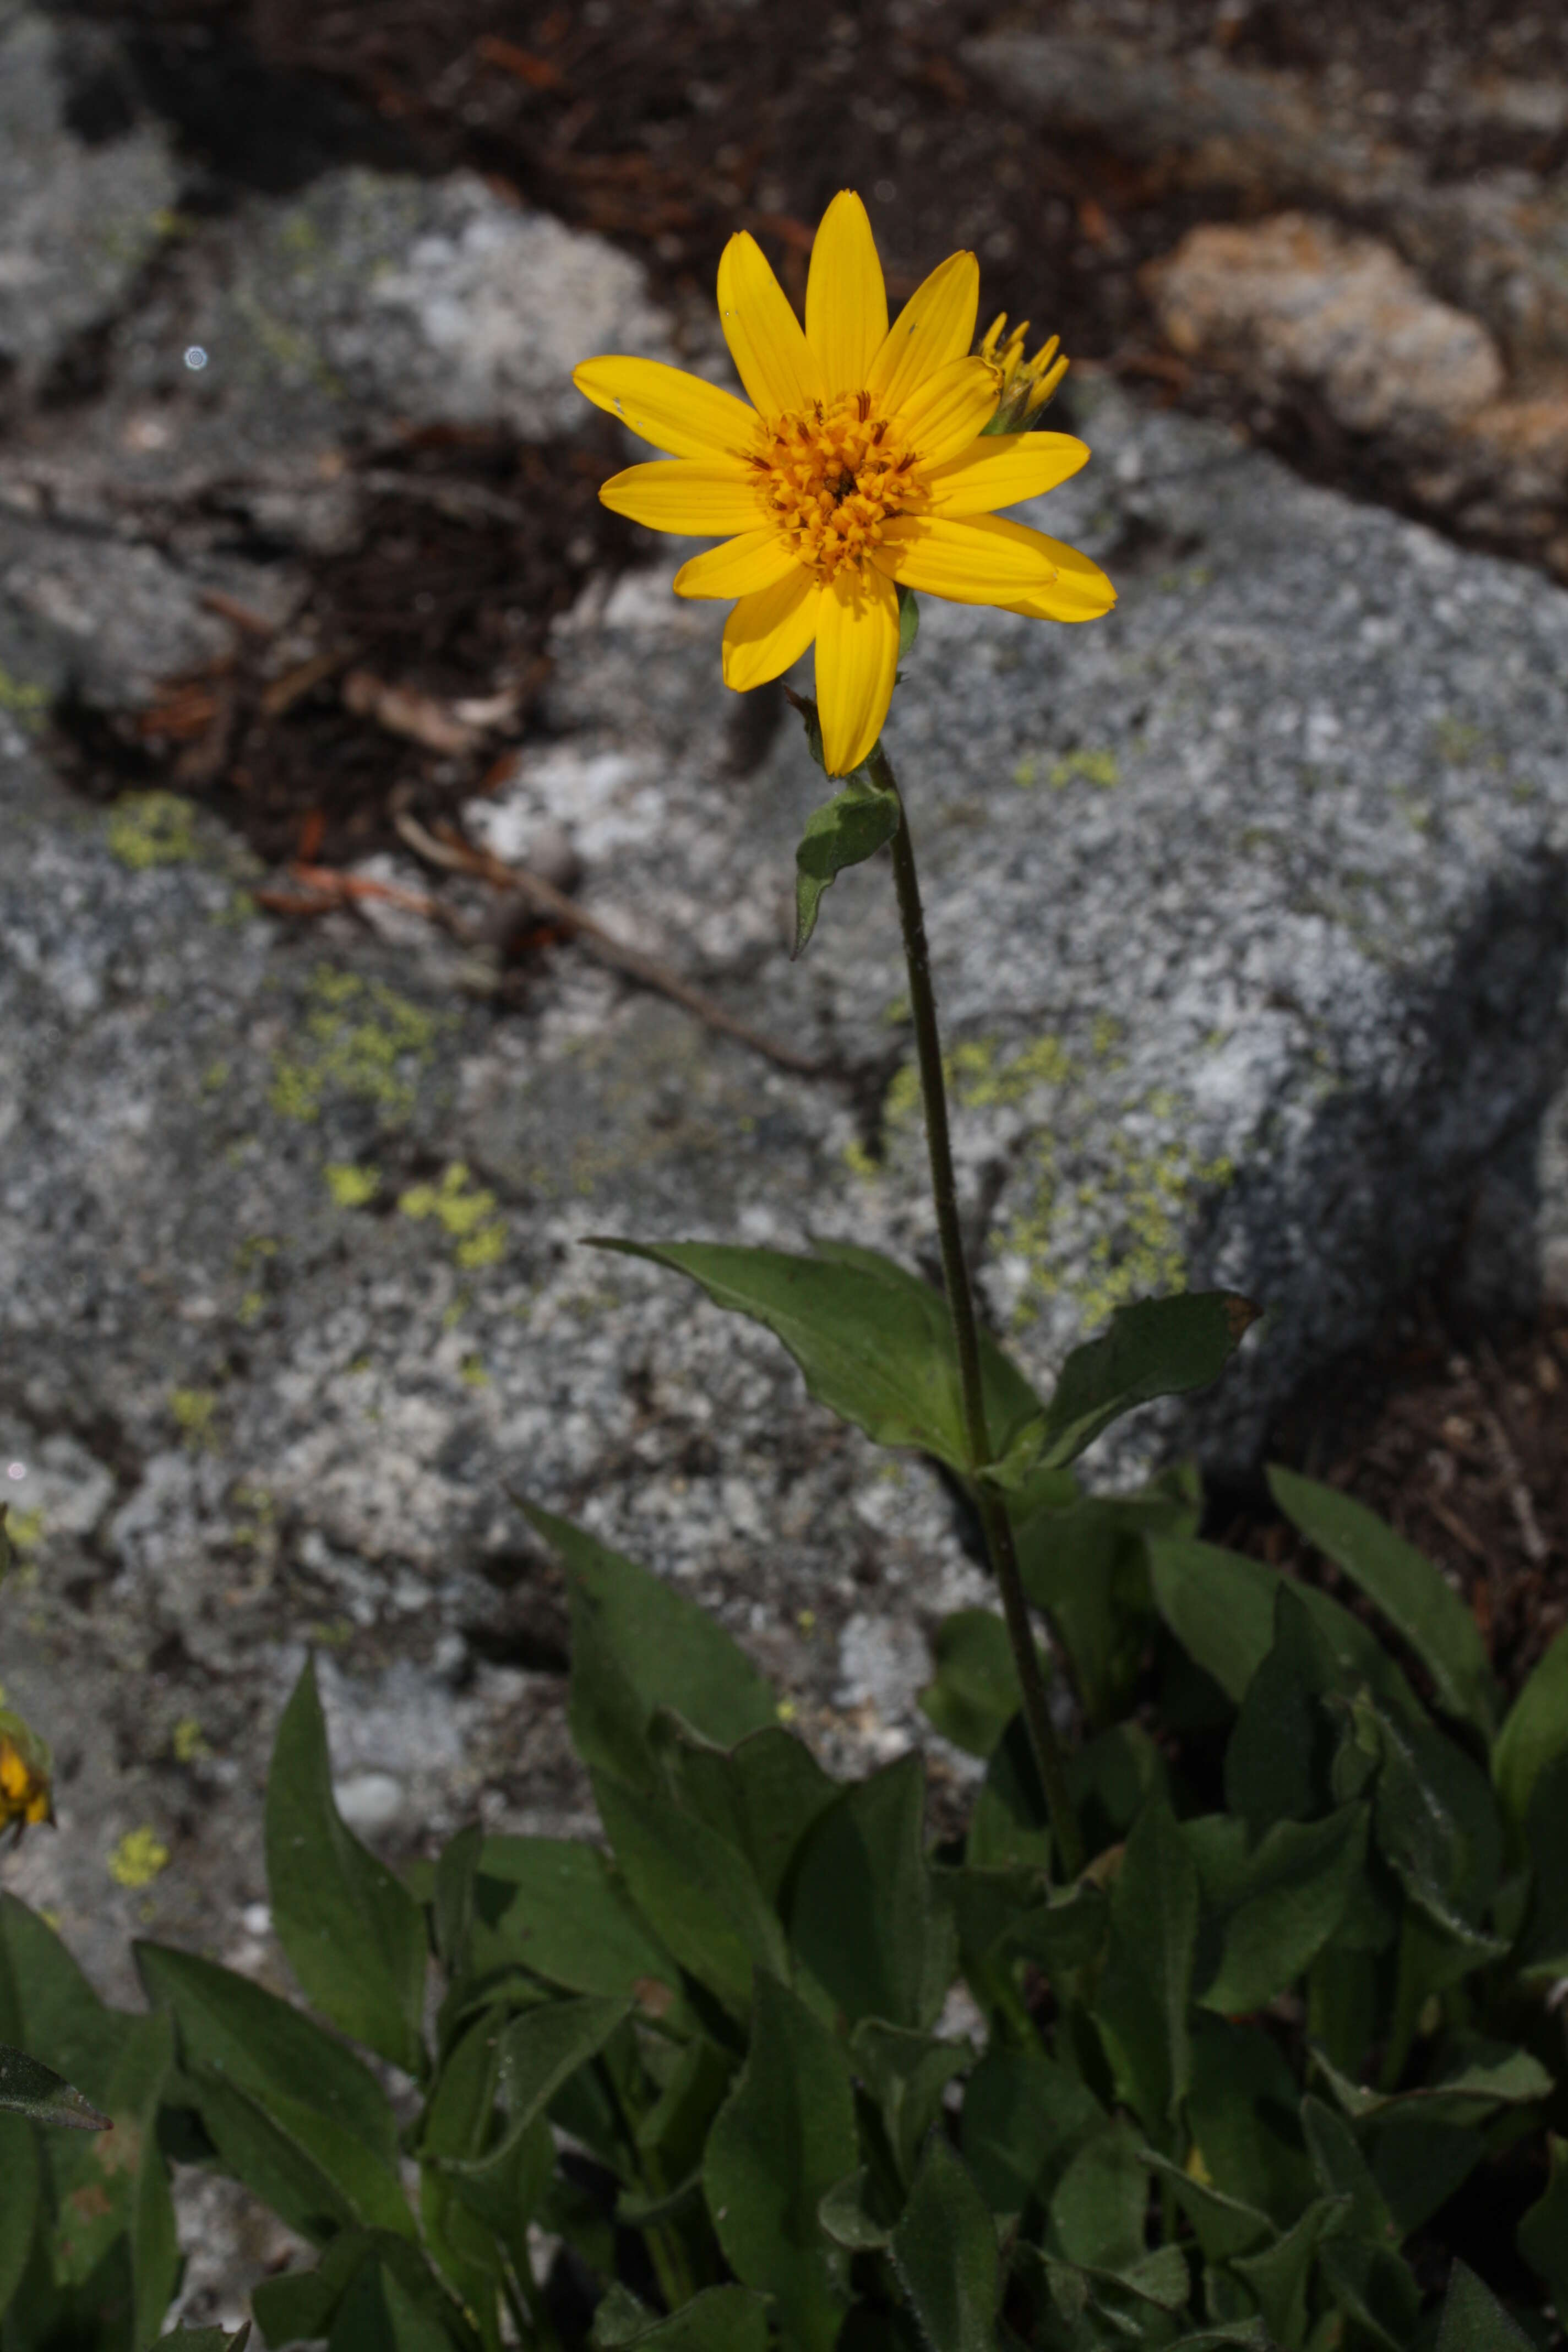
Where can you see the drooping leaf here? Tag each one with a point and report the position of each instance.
(28, 2088)
(1404, 1584)
(1478, 2077)
(783, 2139)
(944, 2253)
(1147, 1981)
(1474, 2320)
(561, 1909)
(874, 1342)
(265, 2045)
(844, 831)
(353, 1934)
(1534, 1733)
(1159, 1348)
(1025, 2118)
(638, 1645)
(860, 1910)
(696, 1891)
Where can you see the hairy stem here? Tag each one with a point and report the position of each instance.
(995, 1522)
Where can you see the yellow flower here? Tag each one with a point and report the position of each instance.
(862, 464)
(24, 1774)
(1026, 385)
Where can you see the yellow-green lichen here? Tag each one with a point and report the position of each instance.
(194, 1412)
(1100, 769)
(859, 1162)
(138, 1858)
(188, 1742)
(1124, 1227)
(351, 1187)
(468, 1215)
(154, 828)
(361, 1039)
(25, 1530)
(472, 1373)
(28, 704)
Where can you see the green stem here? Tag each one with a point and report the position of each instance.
(995, 1524)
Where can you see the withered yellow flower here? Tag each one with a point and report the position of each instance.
(25, 1798)
(862, 464)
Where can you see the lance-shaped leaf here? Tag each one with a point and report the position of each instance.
(1273, 1910)
(1277, 2274)
(1474, 2320)
(1147, 1984)
(1543, 2232)
(26, 2088)
(862, 1916)
(561, 1910)
(1025, 2119)
(1404, 1584)
(354, 1936)
(844, 831)
(1535, 1733)
(874, 1342)
(1476, 2077)
(1161, 1346)
(972, 1696)
(782, 2139)
(944, 2253)
(637, 1645)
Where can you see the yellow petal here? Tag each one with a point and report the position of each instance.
(845, 300)
(739, 568)
(767, 342)
(1081, 591)
(673, 410)
(770, 630)
(696, 497)
(935, 327)
(857, 661)
(966, 562)
(948, 411)
(1001, 469)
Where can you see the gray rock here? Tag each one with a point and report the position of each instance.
(1248, 926)
(77, 221)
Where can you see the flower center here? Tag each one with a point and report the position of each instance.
(831, 477)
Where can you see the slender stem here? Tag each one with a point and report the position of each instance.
(995, 1522)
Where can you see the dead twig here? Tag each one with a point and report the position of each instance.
(1537, 1550)
(462, 857)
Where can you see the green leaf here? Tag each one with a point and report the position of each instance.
(698, 1895)
(1277, 1907)
(451, 1897)
(1474, 2320)
(19, 2204)
(857, 2212)
(1478, 2077)
(1083, 1562)
(457, 2123)
(1147, 1981)
(874, 1343)
(1220, 1606)
(315, 2173)
(353, 1934)
(26, 2088)
(1542, 1954)
(1098, 2207)
(265, 2045)
(1404, 1584)
(908, 620)
(562, 1911)
(906, 2074)
(1543, 2232)
(48, 2007)
(304, 2304)
(860, 1912)
(844, 831)
(1161, 1346)
(1243, 2115)
(944, 2253)
(783, 2139)
(637, 1645)
(809, 719)
(1418, 2169)
(1434, 1821)
(378, 2315)
(760, 1796)
(1223, 2225)
(974, 1693)
(1278, 2275)
(719, 2319)
(1278, 1762)
(1534, 1733)
(540, 2053)
(1025, 2118)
